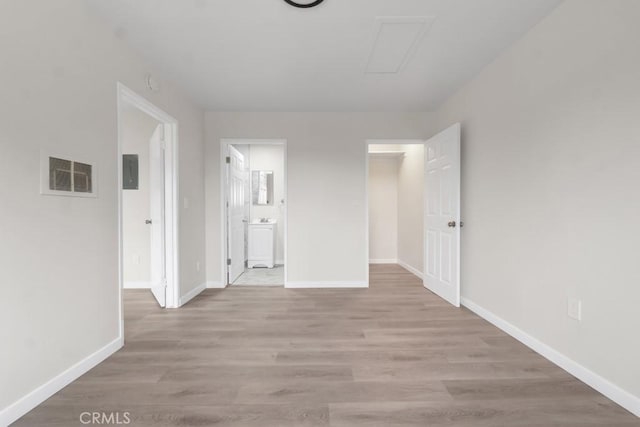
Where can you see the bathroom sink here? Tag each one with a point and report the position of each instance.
(269, 221)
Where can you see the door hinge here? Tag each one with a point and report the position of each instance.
(228, 160)
(228, 261)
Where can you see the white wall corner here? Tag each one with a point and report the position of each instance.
(622, 397)
(215, 285)
(411, 269)
(192, 294)
(383, 261)
(19, 408)
(325, 285)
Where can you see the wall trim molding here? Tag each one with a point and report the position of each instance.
(622, 397)
(411, 269)
(383, 261)
(136, 285)
(215, 285)
(25, 404)
(192, 294)
(325, 285)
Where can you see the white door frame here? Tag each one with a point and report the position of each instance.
(224, 190)
(128, 96)
(369, 142)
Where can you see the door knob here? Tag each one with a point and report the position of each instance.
(148, 221)
(452, 224)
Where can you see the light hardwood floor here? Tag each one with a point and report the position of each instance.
(392, 355)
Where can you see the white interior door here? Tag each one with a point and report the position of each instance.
(442, 215)
(157, 221)
(235, 214)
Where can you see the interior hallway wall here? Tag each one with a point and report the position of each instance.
(550, 163)
(59, 255)
(326, 154)
(137, 130)
(383, 209)
(411, 182)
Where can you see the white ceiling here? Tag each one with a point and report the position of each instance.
(264, 55)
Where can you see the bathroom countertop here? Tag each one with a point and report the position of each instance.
(258, 222)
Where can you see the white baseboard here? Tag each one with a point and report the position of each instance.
(325, 285)
(192, 294)
(215, 285)
(622, 397)
(136, 285)
(25, 404)
(413, 270)
(383, 261)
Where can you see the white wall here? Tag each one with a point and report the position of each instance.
(326, 155)
(411, 207)
(270, 158)
(551, 166)
(383, 209)
(137, 128)
(59, 255)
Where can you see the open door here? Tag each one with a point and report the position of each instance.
(235, 214)
(157, 220)
(442, 215)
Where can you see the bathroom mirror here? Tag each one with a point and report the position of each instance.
(262, 187)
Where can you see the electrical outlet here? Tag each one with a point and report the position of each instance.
(136, 259)
(198, 266)
(574, 309)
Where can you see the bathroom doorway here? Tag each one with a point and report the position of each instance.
(254, 212)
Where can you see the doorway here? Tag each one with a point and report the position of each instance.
(413, 208)
(147, 191)
(396, 191)
(254, 212)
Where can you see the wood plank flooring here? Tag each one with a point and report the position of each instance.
(392, 355)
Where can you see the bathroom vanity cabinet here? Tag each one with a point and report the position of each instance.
(262, 244)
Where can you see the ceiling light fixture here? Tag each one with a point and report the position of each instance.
(304, 5)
